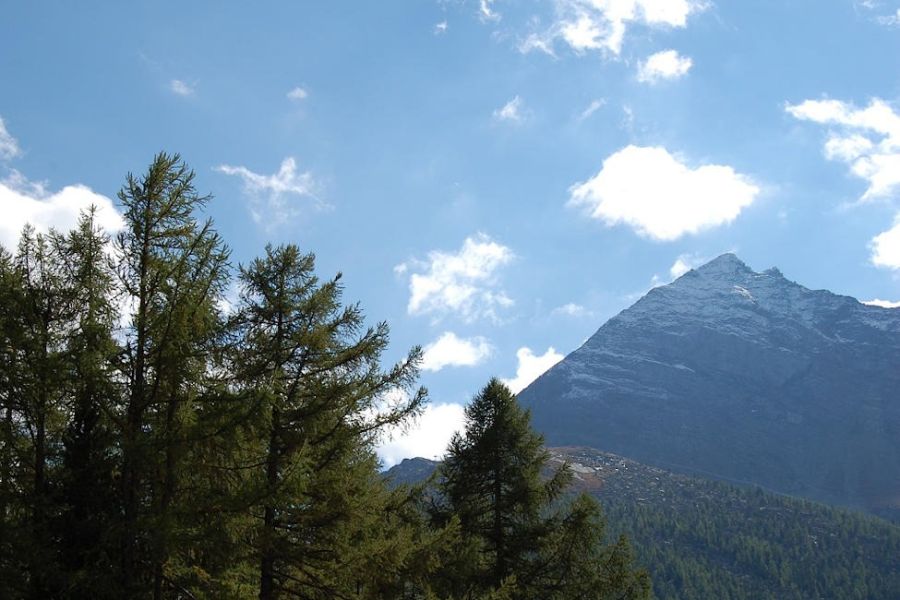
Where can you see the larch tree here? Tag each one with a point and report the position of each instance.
(87, 494)
(13, 438)
(172, 269)
(42, 317)
(522, 538)
(314, 373)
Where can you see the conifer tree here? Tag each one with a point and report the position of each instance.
(38, 405)
(86, 494)
(13, 440)
(321, 397)
(172, 269)
(521, 538)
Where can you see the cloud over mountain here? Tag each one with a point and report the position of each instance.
(661, 197)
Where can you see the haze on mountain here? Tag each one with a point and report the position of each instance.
(741, 376)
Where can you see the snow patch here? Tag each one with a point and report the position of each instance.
(744, 292)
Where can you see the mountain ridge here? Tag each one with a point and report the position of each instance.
(744, 376)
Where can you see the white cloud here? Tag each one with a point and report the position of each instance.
(847, 148)
(890, 20)
(462, 283)
(452, 351)
(181, 88)
(882, 303)
(440, 28)
(297, 94)
(602, 24)
(628, 118)
(679, 268)
(683, 264)
(531, 367)
(511, 111)
(537, 41)
(867, 140)
(9, 146)
(660, 197)
(572, 310)
(270, 195)
(23, 202)
(582, 33)
(428, 437)
(593, 107)
(886, 247)
(23, 185)
(667, 64)
(485, 12)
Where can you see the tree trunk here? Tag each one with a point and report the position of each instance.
(131, 435)
(267, 562)
(168, 493)
(500, 564)
(38, 525)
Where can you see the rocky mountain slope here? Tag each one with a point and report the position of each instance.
(742, 376)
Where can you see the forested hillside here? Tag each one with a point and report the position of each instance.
(706, 539)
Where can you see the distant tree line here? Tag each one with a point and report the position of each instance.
(712, 540)
(155, 445)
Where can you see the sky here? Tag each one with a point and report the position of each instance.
(494, 178)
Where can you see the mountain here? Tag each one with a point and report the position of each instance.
(411, 471)
(706, 539)
(742, 376)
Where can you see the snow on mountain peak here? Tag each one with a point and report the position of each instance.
(728, 295)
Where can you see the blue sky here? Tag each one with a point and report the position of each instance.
(494, 178)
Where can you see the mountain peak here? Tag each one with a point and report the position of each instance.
(724, 264)
(739, 374)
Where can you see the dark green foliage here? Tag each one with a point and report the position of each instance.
(56, 465)
(172, 269)
(519, 536)
(153, 446)
(706, 539)
(13, 441)
(715, 541)
(313, 373)
(40, 396)
(87, 492)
